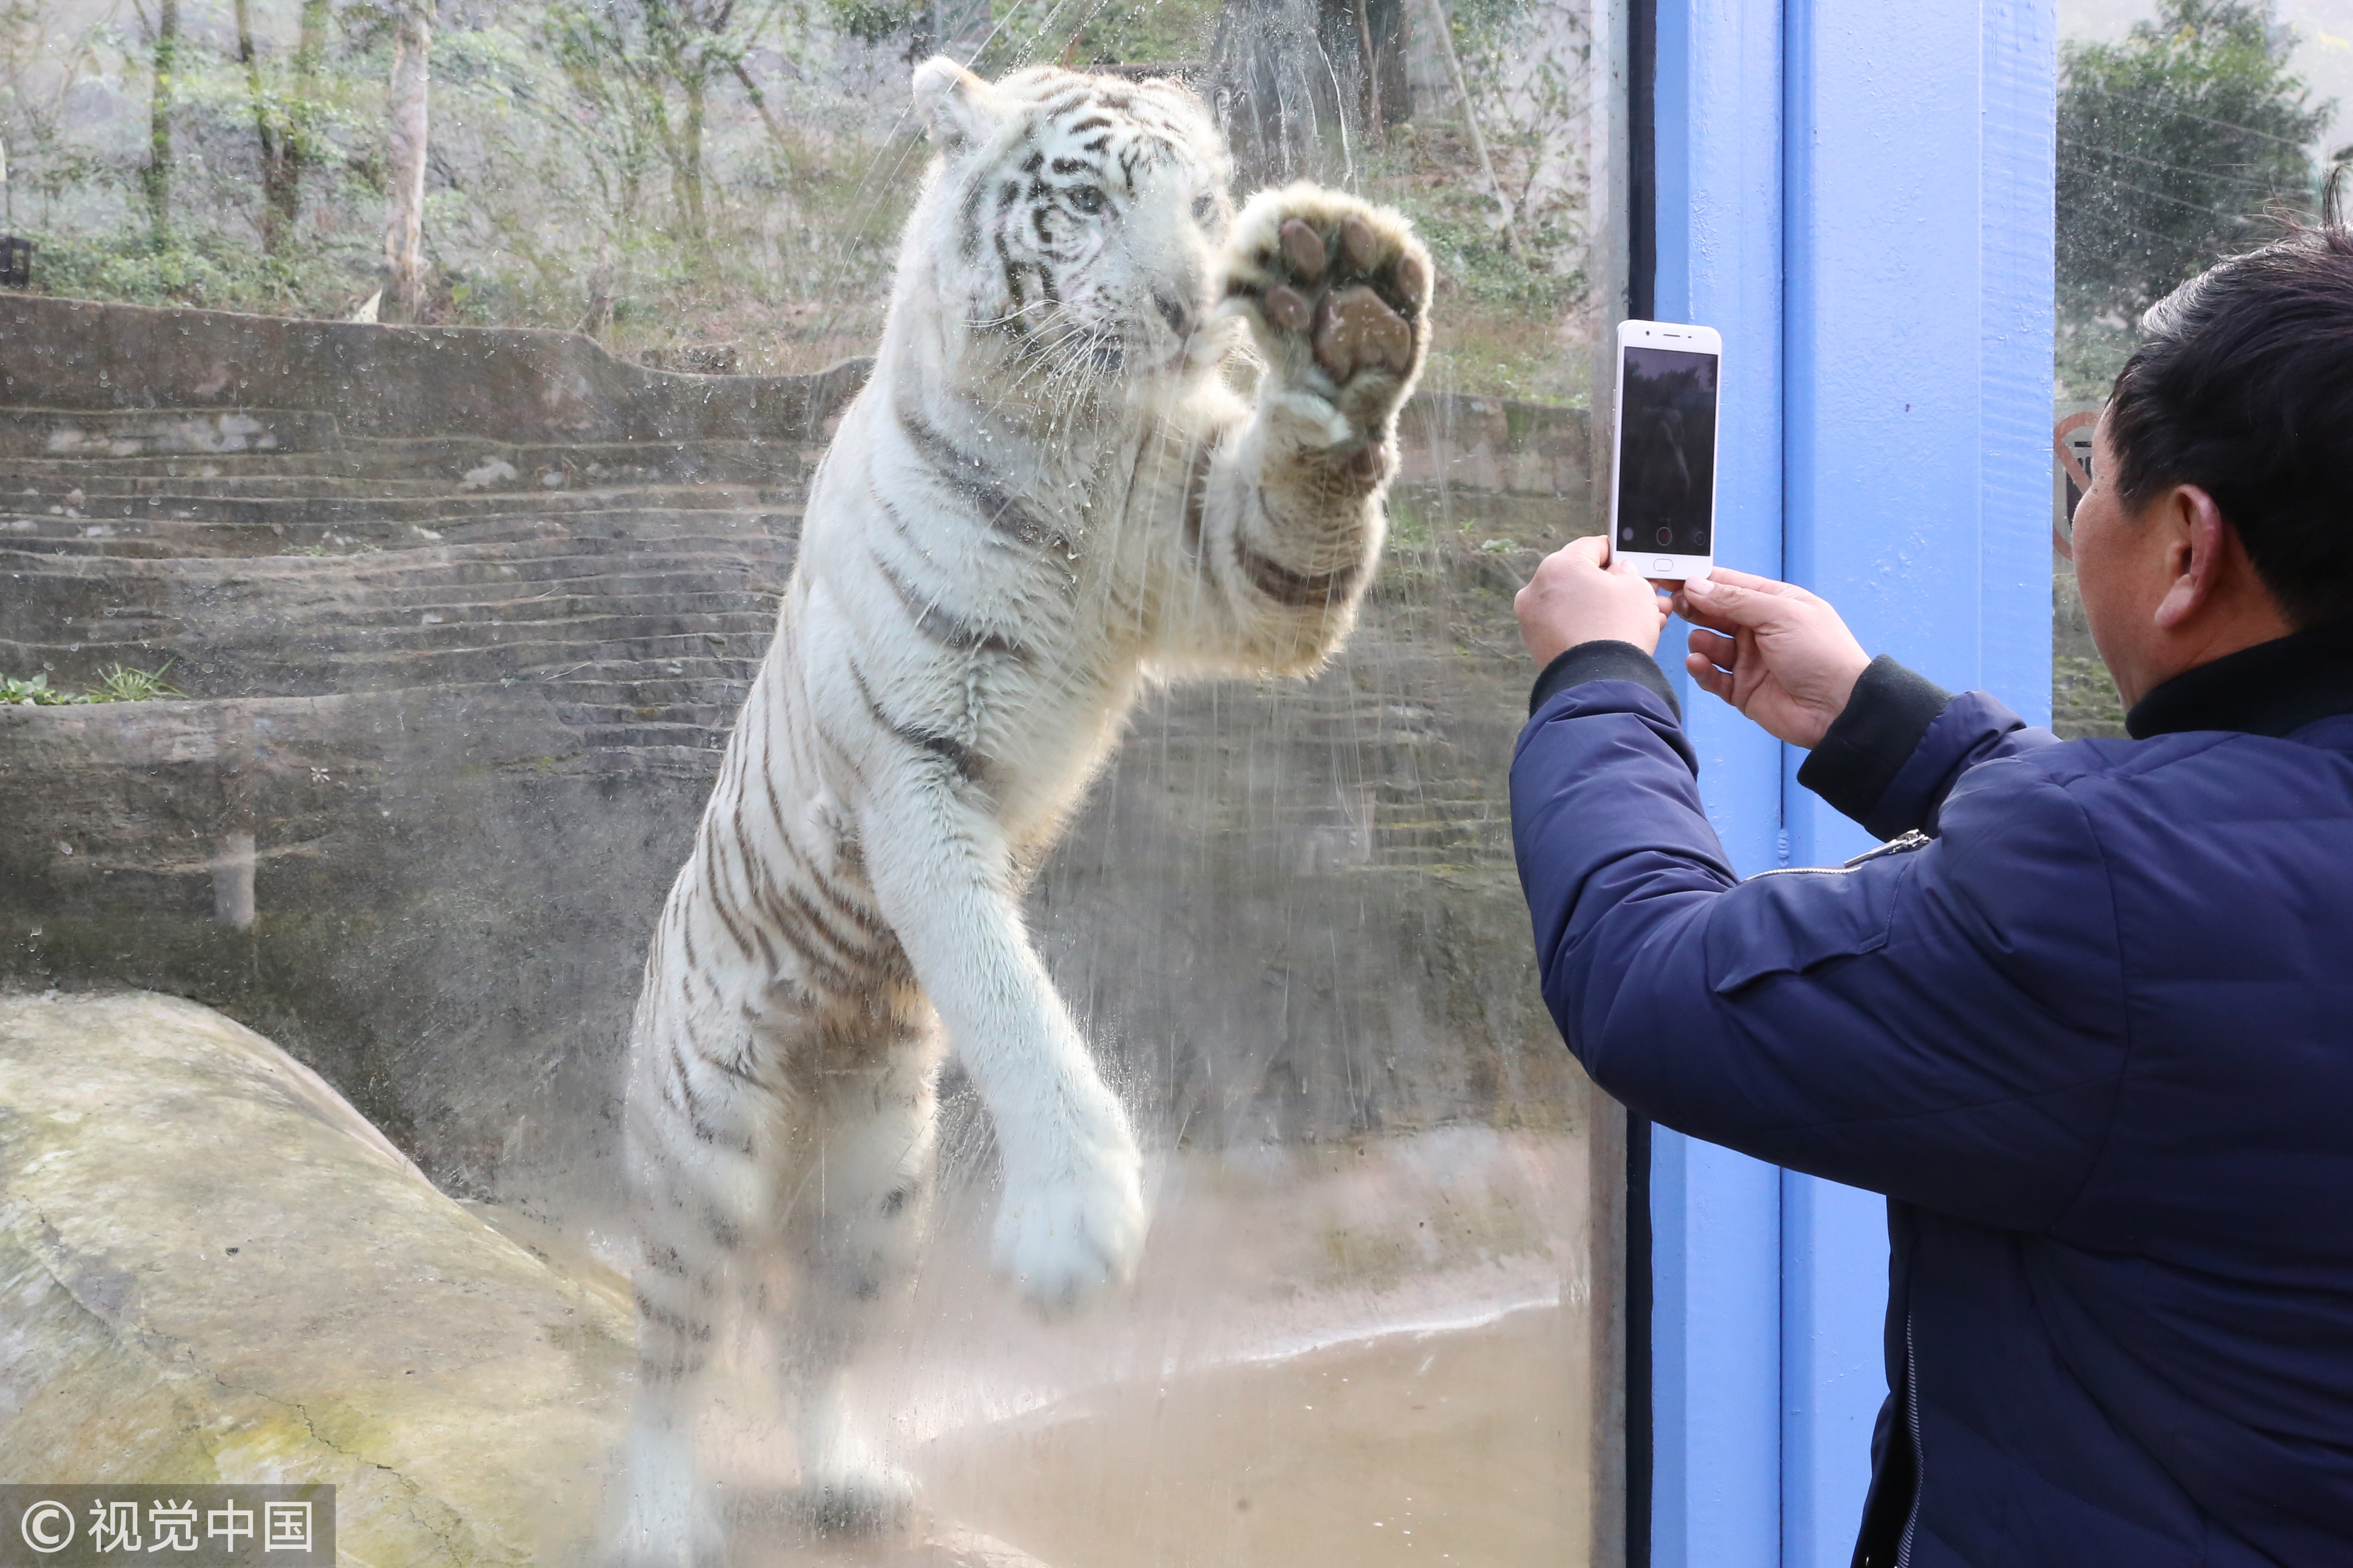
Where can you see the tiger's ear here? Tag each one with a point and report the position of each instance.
(959, 110)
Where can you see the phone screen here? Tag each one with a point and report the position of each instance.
(1666, 451)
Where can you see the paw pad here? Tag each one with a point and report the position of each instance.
(1352, 294)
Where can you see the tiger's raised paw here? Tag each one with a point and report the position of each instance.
(1336, 292)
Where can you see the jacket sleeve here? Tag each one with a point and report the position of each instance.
(1895, 754)
(1943, 1025)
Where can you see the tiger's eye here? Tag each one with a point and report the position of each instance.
(1087, 199)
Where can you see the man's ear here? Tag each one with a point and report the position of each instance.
(2203, 554)
(959, 110)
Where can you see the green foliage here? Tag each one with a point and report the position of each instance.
(1530, 65)
(36, 693)
(205, 269)
(116, 683)
(2184, 143)
(872, 22)
(1107, 32)
(667, 172)
(1511, 320)
(121, 683)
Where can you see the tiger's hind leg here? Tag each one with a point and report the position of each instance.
(854, 1228)
(701, 1189)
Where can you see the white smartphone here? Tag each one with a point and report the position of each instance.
(1662, 500)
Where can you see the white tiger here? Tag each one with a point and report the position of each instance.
(1047, 495)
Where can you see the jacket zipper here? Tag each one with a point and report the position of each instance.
(1919, 1462)
(1904, 843)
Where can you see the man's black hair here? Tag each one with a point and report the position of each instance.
(2243, 386)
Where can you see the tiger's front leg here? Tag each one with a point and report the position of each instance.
(1072, 1221)
(1287, 520)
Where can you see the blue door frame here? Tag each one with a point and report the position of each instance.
(1859, 197)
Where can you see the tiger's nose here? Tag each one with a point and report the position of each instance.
(1175, 312)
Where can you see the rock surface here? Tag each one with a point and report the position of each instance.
(213, 1269)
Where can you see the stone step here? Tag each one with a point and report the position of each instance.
(119, 497)
(62, 609)
(536, 599)
(252, 639)
(679, 678)
(141, 432)
(694, 764)
(315, 637)
(43, 584)
(638, 737)
(455, 461)
(616, 689)
(298, 670)
(299, 621)
(20, 490)
(174, 538)
(517, 658)
(434, 508)
(630, 532)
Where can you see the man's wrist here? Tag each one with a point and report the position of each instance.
(1602, 659)
(1886, 716)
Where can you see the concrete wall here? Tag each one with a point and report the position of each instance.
(468, 726)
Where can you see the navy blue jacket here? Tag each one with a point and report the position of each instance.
(2089, 1027)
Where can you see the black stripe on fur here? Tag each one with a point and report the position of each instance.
(941, 627)
(968, 477)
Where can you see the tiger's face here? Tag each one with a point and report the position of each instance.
(1074, 217)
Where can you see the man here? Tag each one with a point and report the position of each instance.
(2087, 1020)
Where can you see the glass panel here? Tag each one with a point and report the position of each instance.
(2189, 130)
(377, 616)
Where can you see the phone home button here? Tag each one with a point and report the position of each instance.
(1662, 565)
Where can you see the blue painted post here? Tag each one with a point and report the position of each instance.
(1918, 411)
(1862, 208)
(1716, 1215)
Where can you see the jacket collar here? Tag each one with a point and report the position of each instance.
(2272, 689)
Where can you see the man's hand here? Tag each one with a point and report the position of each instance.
(1771, 649)
(1574, 598)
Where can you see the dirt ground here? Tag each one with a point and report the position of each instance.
(1360, 1355)
(1414, 1449)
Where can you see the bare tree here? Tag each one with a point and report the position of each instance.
(1278, 91)
(280, 154)
(298, 133)
(1299, 85)
(645, 68)
(404, 144)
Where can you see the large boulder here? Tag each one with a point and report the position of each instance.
(213, 1269)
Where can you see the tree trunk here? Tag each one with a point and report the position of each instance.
(689, 167)
(404, 225)
(1301, 87)
(1443, 30)
(300, 124)
(310, 48)
(280, 172)
(158, 176)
